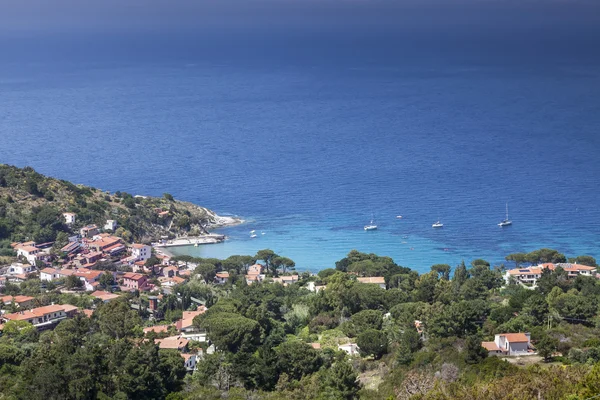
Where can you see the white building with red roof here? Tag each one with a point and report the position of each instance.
(43, 317)
(376, 280)
(141, 252)
(509, 344)
(186, 325)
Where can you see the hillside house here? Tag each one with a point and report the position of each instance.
(110, 225)
(135, 281)
(350, 348)
(190, 361)
(89, 231)
(28, 252)
(376, 280)
(157, 329)
(173, 342)
(49, 274)
(71, 248)
(141, 252)
(43, 317)
(90, 277)
(255, 274)
(20, 301)
(69, 218)
(286, 280)
(185, 326)
(221, 277)
(509, 344)
(20, 269)
(165, 281)
(110, 245)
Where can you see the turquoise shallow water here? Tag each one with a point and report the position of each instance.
(307, 133)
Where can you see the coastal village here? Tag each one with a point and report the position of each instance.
(81, 268)
(147, 270)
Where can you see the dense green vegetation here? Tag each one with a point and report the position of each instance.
(263, 335)
(31, 207)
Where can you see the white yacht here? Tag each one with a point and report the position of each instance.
(437, 225)
(371, 226)
(506, 221)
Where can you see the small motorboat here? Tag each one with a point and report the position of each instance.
(399, 216)
(437, 225)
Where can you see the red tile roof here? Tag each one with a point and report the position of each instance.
(372, 279)
(515, 337)
(172, 342)
(104, 296)
(490, 346)
(133, 276)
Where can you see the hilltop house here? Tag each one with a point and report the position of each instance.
(376, 280)
(89, 231)
(509, 344)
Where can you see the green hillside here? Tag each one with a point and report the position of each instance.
(31, 208)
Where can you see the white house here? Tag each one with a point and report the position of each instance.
(221, 277)
(19, 269)
(187, 328)
(509, 344)
(314, 288)
(110, 225)
(69, 218)
(190, 361)
(141, 252)
(28, 252)
(49, 274)
(350, 348)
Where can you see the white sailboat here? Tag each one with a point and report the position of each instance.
(437, 225)
(506, 221)
(371, 226)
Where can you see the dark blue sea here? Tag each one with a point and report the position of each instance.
(309, 133)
